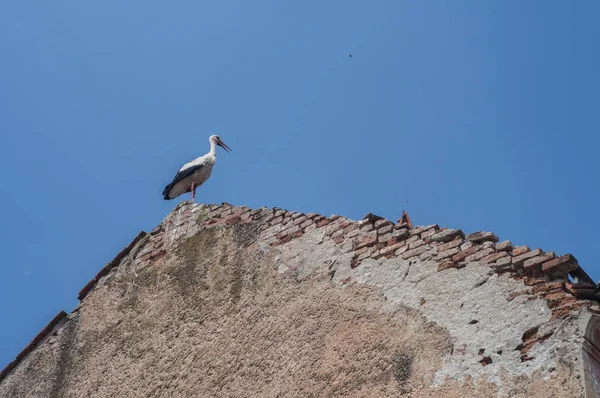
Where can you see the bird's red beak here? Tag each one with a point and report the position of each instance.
(223, 145)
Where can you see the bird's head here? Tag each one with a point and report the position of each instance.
(217, 141)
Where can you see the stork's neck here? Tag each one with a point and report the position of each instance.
(213, 149)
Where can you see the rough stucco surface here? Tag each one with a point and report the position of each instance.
(219, 311)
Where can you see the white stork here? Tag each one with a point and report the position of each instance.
(193, 174)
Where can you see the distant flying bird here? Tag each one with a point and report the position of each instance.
(194, 173)
(350, 55)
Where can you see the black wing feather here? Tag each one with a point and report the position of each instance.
(178, 177)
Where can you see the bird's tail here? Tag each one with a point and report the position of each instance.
(165, 192)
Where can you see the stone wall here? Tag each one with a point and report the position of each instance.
(221, 300)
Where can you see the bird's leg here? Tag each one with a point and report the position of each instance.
(193, 192)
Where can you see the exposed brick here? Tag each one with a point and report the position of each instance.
(415, 252)
(353, 233)
(276, 220)
(334, 217)
(310, 228)
(148, 247)
(428, 233)
(391, 249)
(519, 260)
(412, 239)
(447, 235)
(504, 246)
(262, 216)
(279, 212)
(306, 223)
(488, 245)
(448, 264)
(351, 227)
(367, 227)
(479, 237)
(531, 281)
(451, 245)
(423, 228)
(246, 218)
(366, 241)
(448, 253)
(299, 220)
(158, 242)
(363, 223)
(543, 287)
(380, 223)
(322, 223)
(288, 232)
(402, 249)
(385, 229)
(256, 211)
(401, 234)
(366, 254)
(215, 222)
(285, 239)
(466, 245)
(416, 243)
(338, 233)
(492, 258)
(86, 289)
(536, 262)
(338, 225)
(479, 255)
(239, 212)
(310, 216)
(517, 251)
(157, 253)
(567, 310)
(384, 238)
(566, 263)
(338, 239)
(445, 265)
(558, 298)
(530, 338)
(557, 293)
(463, 254)
(233, 220)
(156, 230)
(503, 265)
(428, 254)
(375, 254)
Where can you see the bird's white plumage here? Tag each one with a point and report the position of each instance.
(198, 177)
(194, 173)
(202, 160)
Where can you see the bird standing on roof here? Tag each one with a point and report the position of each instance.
(193, 174)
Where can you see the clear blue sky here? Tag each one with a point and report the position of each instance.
(479, 115)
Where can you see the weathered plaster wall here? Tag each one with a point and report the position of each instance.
(225, 301)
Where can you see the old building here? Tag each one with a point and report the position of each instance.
(225, 301)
